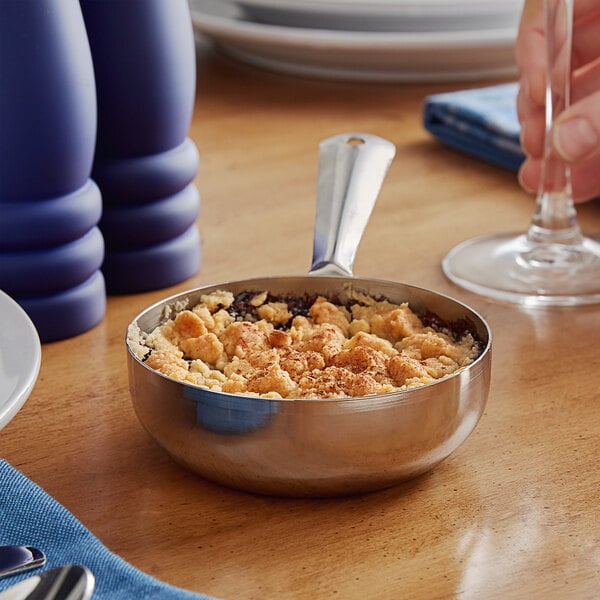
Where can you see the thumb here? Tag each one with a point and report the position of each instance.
(576, 132)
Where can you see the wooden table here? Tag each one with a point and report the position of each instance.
(513, 513)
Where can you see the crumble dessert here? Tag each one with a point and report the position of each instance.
(270, 346)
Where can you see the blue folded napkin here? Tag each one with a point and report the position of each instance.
(28, 515)
(481, 122)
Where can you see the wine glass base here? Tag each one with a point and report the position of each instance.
(508, 267)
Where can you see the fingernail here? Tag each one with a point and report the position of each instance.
(575, 138)
(523, 184)
(534, 88)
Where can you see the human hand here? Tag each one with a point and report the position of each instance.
(576, 132)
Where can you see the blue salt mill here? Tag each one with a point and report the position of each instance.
(50, 246)
(145, 164)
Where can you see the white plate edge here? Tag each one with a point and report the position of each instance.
(11, 406)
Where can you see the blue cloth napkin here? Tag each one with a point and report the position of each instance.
(28, 515)
(481, 122)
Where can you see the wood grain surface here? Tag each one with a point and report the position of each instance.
(513, 513)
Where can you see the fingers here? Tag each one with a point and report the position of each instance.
(530, 174)
(576, 132)
(533, 125)
(584, 7)
(530, 50)
(531, 60)
(585, 178)
(585, 81)
(576, 135)
(575, 138)
(586, 41)
(530, 54)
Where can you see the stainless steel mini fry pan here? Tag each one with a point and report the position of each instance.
(319, 447)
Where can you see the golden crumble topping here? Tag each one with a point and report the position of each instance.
(309, 347)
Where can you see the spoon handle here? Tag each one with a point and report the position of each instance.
(352, 167)
(68, 582)
(15, 559)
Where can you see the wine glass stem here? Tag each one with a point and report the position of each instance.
(554, 220)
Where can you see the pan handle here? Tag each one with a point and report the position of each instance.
(352, 167)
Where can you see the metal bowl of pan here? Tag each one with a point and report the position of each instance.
(318, 447)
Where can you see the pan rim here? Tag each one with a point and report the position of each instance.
(382, 399)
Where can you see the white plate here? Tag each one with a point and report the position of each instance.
(386, 15)
(20, 358)
(354, 55)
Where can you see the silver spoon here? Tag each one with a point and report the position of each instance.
(14, 559)
(69, 582)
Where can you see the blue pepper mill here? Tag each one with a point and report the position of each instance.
(50, 247)
(145, 165)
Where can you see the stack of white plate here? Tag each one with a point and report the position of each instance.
(368, 40)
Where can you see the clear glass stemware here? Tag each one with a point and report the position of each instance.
(552, 264)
